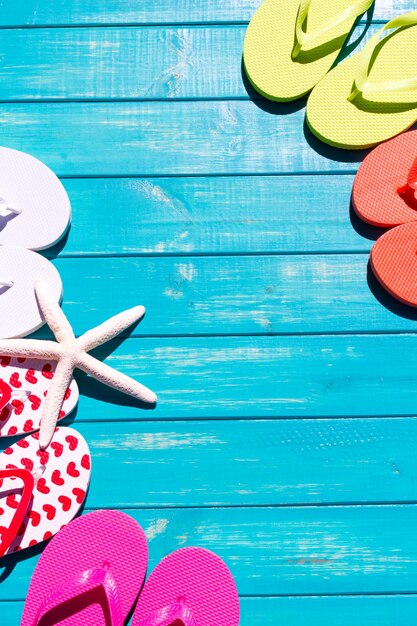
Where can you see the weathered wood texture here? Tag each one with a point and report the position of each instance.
(285, 434)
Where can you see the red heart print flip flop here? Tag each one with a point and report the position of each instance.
(90, 574)
(190, 587)
(41, 490)
(24, 385)
(384, 194)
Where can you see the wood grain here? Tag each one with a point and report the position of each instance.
(284, 551)
(266, 377)
(213, 215)
(251, 463)
(150, 63)
(225, 295)
(41, 12)
(174, 138)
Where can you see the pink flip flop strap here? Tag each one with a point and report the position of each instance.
(170, 614)
(28, 486)
(80, 584)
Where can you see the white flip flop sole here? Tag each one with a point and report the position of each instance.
(19, 270)
(35, 210)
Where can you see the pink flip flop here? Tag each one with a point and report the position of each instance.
(24, 384)
(41, 490)
(90, 574)
(191, 587)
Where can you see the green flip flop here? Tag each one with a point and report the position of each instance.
(291, 44)
(371, 96)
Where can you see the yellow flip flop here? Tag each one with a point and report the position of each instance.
(291, 44)
(371, 96)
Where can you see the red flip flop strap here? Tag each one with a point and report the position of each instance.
(28, 487)
(412, 175)
(5, 393)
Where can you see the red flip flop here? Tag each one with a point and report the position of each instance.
(384, 194)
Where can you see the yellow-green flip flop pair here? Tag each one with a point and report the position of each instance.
(291, 45)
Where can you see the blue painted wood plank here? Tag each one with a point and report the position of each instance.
(168, 138)
(232, 295)
(283, 551)
(168, 62)
(212, 215)
(339, 611)
(41, 12)
(245, 377)
(251, 463)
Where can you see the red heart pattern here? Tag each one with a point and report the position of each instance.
(59, 491)
(32, 376)
(72, 470)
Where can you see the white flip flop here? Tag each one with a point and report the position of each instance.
(19, 270)
(35, 210)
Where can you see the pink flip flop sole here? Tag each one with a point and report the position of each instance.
(192, 582)
(106, 540)
(380, 195)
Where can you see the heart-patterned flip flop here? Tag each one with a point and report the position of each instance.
(384, 194)
(191, 586)
(90, 574)
(41, 490)
(24, 385)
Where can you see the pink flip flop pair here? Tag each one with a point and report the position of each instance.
(93, 570)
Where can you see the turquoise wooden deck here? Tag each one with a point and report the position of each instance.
(285, 437)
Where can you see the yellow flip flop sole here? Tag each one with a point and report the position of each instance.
(291, 44)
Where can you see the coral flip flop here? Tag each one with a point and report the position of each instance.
(191, 586)
(384, 195)
(35, 210)
(384, 188)
(371, 96)
(24, 384)
(90, 574)
(290, 45)
(20, 269)
(41, 490)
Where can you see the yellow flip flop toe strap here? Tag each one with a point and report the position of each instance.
(304, 40)
(367, 57)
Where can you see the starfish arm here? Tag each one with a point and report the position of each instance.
(112, 378)
(30, 348)
(110, 328)
(52, 312)
(54, 400)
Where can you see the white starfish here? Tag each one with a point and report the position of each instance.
(71, 353)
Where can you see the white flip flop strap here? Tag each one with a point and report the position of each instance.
(4, 282)
(313, 38)
(367, 57)
(6, 209)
